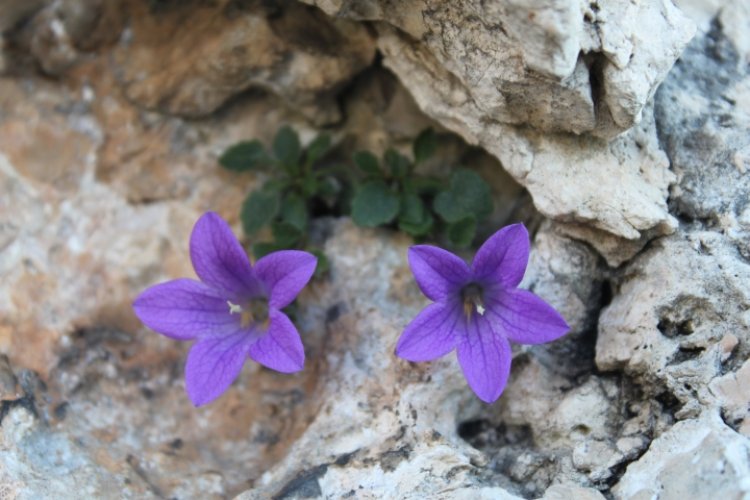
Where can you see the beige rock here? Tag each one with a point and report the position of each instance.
(674, 306)
(695, 459)
(190, 60)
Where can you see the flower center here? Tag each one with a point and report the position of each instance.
(471, 296)
(254, 311)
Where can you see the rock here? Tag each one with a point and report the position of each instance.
(671, 311)
(703, 111)
(102, 177)
(699, 458)
(188, 60)
(520, 85)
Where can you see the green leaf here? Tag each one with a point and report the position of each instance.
(285, 235)
(418, 228)
(263, 248)
(245, 156)
(309, 186)
(425, 145)
(461, 233)
(318, 148)
(398, 164)
(412, 209)
(374, 204)
(367, 163)
(294, 211)
(324, 265)
(259, 208)
(287, 148)
(467, 196)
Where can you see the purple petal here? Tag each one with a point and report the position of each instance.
(280, 348)
(285, 274)
(503, 257)
(432, 334)
(213, 364)
(219, 259)
(525, 318)
(485, 359)
(184, 309)
(438, 272)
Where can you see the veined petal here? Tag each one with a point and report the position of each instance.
(503, 257)
(219, 259)
(432, 334)
(184, 309)
(213, 364)
(524, 318)
(438, 272)
(280, 348)
(485, 359)
(285, 273)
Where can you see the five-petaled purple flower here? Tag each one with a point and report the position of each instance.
(232, 313)
(478, 309)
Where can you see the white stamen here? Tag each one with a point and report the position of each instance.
(234, 308)
(480, 310)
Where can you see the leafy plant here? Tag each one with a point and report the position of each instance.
(297, 183)
(388, 192)
(393, 194)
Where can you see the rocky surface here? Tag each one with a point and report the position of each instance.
(538, 84)
(639, 239)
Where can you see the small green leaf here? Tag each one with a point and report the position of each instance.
(398, 164)
(467, 196)
(286, 147)
(310, 186)
(324, 265)
(263, 248)
(259, 208)
(418, 228)
(318, 148)
(294, 211)
(244, 156)
(367, 163)
(461, 233)
(285, 235)
(412, 209)
(374, 204)
(425, 145)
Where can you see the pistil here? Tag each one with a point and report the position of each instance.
(471, 296)
(255, 311)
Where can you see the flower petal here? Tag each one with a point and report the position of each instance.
(219, 259)
(213, 364)
(503, 257)
(485, 359)
(184, 309)
(438, 272)
(285, 274)
(525, 318)
(280, 348)
(432, 334)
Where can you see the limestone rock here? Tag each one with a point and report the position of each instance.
(666, 324)
(530, 77)
(695, 459)
(189, 60)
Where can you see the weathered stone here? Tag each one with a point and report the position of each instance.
(700, 458)
(190, 59)
(97, 197)
(521, 80)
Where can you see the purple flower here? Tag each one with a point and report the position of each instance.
(477, 309)
(232, 313)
